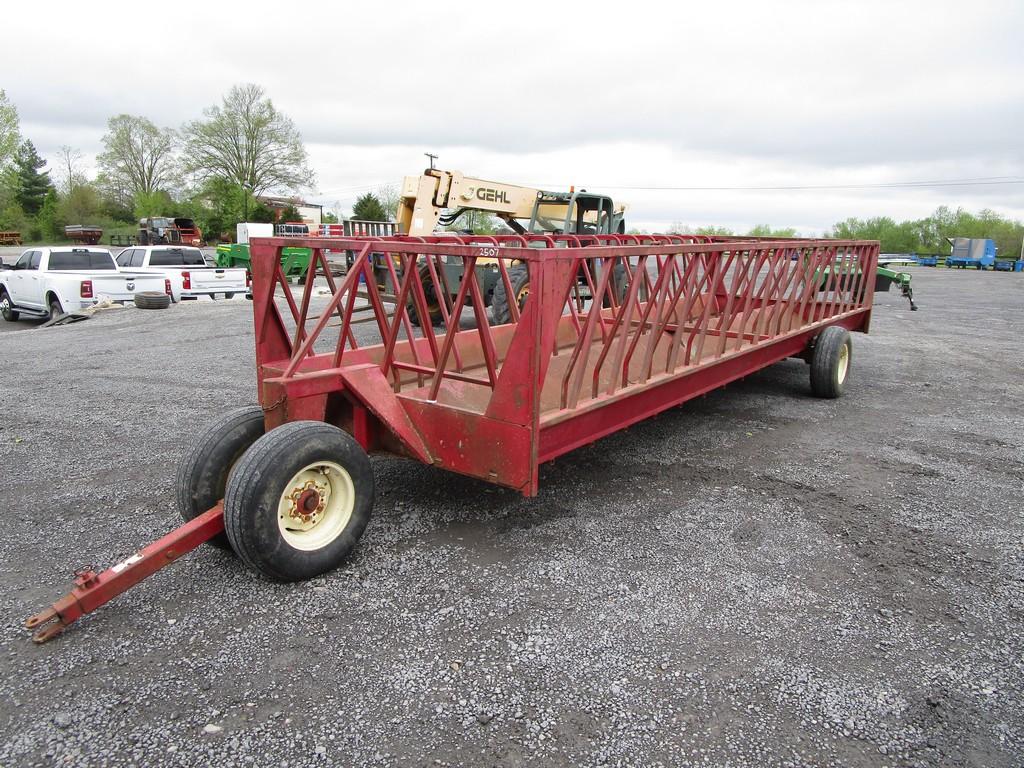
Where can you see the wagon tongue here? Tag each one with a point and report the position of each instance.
(93, 589)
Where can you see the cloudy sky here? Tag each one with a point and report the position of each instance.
(679, 109)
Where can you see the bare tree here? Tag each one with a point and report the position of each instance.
(246, 141)
(137, 156)
(389, 196)
(69, 162)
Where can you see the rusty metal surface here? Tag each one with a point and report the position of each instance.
(623, 325)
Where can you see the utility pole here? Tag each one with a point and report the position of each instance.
(432, 159)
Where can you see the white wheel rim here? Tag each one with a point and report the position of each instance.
(316, 505)
(844, 362)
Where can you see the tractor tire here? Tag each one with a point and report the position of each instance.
(298, 501)
(830, 362)
(433, 305)
(203, 472)
(10, 314)
(519, 277)
(619, 285)
(152, 300)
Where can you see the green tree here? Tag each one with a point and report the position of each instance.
(31, 182)
(289, 213)
(368, 208)
(48, 221)
(330, 217)
(714, 231)
(137, 157)
(246, 141)
(82, 205)
(10, 136)
(765, 230)
(155, 203)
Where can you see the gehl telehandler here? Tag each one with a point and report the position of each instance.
(439, 197)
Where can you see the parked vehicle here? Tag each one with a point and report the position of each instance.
(55, 281)
(84, 234)
(188, 271)
(164, 230)
(976, 252)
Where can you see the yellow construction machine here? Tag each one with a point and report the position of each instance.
(439, 198)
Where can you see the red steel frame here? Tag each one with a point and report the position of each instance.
(495, 401)
(616, 329)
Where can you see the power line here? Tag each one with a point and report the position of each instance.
(980, 181)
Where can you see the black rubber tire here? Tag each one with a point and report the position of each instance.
(433, 306)
(828, 375)
(6, 307)
(152, 300)
(56, 310)
(254, 493)
(203, 471)
(229, 295)
(519, 277)
(619, 285)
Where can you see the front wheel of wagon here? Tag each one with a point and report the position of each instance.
(830, 362)
(299, 500)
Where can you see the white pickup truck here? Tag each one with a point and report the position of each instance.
(54, 281)
(186, 268)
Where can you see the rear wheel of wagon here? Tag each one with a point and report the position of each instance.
(519, 277)
(299, 500)
(204, 470)
(830, 362)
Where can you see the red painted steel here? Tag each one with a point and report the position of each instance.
(93, 589)
(616, 328)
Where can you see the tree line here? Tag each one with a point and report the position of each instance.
(916, 236)
(212, 169)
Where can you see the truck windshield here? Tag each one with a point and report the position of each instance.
(72, 260)
(177, 257)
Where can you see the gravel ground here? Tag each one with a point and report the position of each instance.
(756, 578)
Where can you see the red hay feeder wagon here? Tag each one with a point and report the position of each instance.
(611, 329)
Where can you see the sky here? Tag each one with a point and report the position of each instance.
(681, 110)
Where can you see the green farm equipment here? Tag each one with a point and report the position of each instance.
(294, 261)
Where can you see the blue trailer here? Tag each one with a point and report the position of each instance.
(971, 252)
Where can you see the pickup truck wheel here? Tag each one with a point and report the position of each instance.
(152, 300)
(299, 500)
(229, 295)
(830, 362)
(7, 307)
(55, 308)
(203, 472)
